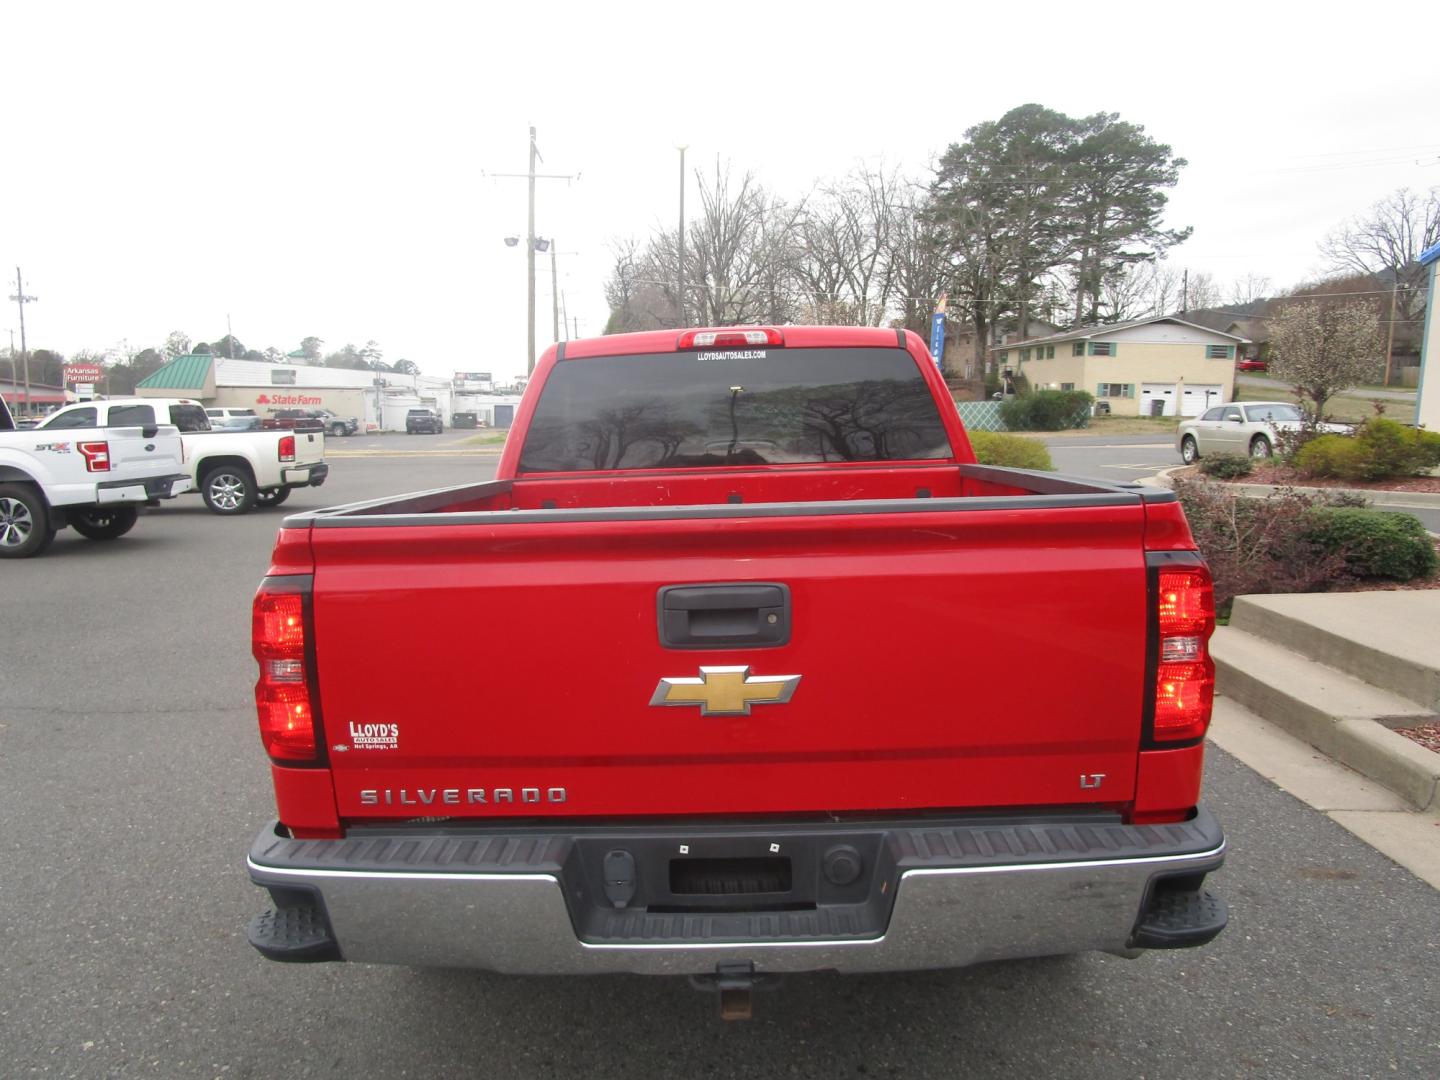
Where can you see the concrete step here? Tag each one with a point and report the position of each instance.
(1332, 711)
(1387, 639)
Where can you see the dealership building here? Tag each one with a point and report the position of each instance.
(378, 399)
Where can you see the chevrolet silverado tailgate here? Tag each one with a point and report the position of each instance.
(945, 658)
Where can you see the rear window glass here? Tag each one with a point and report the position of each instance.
(733, 407)
(75, 418)
(1272, 412)
(189, 418)
(130, 415)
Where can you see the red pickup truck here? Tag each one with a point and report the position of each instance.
(741, 665)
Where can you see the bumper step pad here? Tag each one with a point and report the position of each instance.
(297, 935)
(1180, 920)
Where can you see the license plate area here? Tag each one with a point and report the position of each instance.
(730, 877)
(717, 883)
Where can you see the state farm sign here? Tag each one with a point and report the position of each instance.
(288, 401)
(84, 373)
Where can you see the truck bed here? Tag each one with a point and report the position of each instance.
(988, 603)
(735, 493)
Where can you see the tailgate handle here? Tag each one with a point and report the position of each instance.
(719, 616)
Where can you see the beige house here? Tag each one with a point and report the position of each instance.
(1149, 367)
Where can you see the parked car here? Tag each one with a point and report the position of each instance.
(1252, 364)
(1242, 427)
(465, 420)
(237, 423)
(234, 471)
(313, 420)
(428, 420)
(292, 420)
(216, 415)
(620, 809)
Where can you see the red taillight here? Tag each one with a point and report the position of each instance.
(1185, 674)
(729, 339)
(96, 455)
(282, 694)
(287, 448)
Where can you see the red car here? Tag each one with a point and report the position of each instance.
(1251, 364)
(772, 676)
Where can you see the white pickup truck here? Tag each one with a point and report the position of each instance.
(234, 471)
(93, 481)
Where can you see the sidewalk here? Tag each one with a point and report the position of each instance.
(1311, 676)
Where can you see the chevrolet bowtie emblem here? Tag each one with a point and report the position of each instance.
(726, 691)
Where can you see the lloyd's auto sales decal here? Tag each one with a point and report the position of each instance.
(371, 737)
(732, 354)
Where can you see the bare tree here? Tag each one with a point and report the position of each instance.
(916, 260)
(177, 343)
(1323, 348)
(1390, 237)
(1201, 291)
(623, 275)
(740, 251)
(1251, 287)
(1128, 293)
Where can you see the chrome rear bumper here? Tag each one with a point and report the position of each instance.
(409, 907)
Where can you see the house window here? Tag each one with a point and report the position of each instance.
(1115, 389)
(1024, 355)
(1004, 355)
(1049, 352)
(1077, 349)
(1067, 386)
(1219, 352)
(1102, 348)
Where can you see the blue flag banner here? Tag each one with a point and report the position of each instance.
(937, 336)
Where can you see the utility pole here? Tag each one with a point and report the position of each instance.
(1185, 292)
(531, 176)
(21, 300)
(564, 317)
(1390, 334)
(683, 322)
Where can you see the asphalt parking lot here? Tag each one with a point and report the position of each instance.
(132, 782)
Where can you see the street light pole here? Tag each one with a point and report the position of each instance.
(554, 294)
(682, 150)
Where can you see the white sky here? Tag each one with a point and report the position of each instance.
(315, 168)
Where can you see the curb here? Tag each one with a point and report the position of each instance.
(1414, 500)
(1418, 500)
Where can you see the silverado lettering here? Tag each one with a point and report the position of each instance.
(451, 796)
(666, 547)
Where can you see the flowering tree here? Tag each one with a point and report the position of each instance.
(1324, 348)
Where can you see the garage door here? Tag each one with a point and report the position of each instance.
(1150, 393)
(1199, 397)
